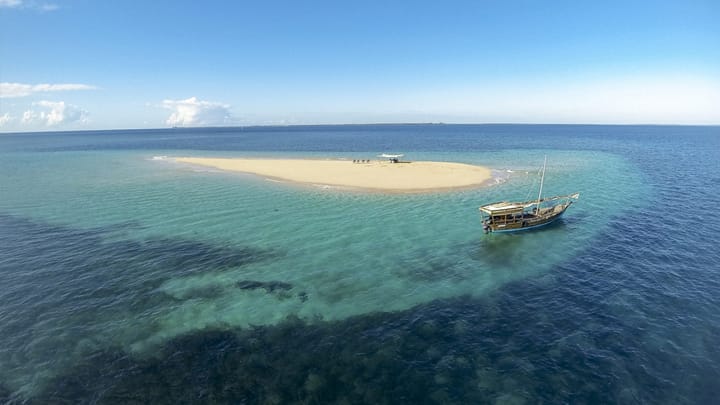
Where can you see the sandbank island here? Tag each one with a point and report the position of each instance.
(403, 177)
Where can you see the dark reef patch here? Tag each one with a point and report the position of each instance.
(77, 266)
(447, 352)
(5, 394)
(277, 288)
(66, 279)
(269, 286)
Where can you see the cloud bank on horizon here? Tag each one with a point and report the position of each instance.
(54, 113)
(76, 65)
(43, 113)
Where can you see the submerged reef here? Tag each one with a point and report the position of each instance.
(451, 351)
(5, 394)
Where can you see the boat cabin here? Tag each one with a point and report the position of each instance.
(503, 213)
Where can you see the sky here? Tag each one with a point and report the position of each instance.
(87, 64)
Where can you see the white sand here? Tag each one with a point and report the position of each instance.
(376, 175)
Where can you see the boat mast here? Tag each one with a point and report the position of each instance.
(542, 179)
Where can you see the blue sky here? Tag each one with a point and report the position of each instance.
(132, 64)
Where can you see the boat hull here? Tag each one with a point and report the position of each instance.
(540, 224)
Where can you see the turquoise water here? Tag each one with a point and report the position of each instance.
(111, 253)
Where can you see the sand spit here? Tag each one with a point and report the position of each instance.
(376, 175)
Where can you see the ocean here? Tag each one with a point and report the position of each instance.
(126, 277)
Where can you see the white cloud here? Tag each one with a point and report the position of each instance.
(12, 90)
(53, 113)
(29, 117)
(6, 119)
(194, 112)
(10, 3)
(28, 5)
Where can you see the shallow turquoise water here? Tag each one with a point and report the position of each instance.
(112, 250)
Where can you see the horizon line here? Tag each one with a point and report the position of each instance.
(351, 124)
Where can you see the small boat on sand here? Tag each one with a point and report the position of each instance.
(507, 216)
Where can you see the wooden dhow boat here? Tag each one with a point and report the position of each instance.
(520, 216)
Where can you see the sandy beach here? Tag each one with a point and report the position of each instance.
(377, 175)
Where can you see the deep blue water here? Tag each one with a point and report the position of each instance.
(633, 316)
